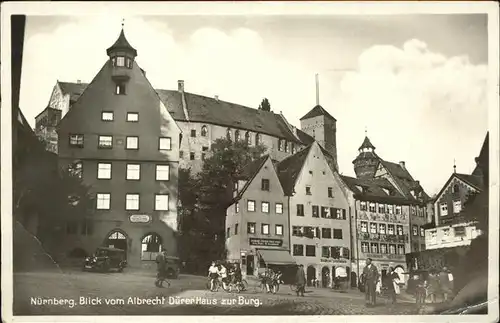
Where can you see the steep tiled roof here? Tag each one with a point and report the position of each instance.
(404, 180)
(373, 190)
(249, 172)
(366, 144)
(252, 168)
(289, 169)
(317, 111)
(210, 110)
(122, 44)
(304, 137)
(214, 111)
(73, 89)
(475, 181)
(482, 160)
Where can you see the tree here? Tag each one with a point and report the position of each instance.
(265, 105)
(205, 197)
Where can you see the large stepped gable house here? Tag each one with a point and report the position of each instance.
(318, 214)
(452, 227)
(120, 138)
(389, 212)
(257, 222)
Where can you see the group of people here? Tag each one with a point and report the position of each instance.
(270, 278)
(436, 283)
(372, 282)
(217, 269)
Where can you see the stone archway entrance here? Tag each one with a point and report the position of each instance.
(311, 274)
(118, 240)
(151, 246)
(325, 276)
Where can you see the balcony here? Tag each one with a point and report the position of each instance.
(120, 74)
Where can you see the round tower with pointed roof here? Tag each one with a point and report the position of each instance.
(121, 57)
(366, 163)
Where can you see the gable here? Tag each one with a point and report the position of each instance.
(84, 117)
(314, 164)
(100, 96)
(266, 171)
(454, 179)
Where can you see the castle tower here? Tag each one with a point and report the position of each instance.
(365, 165)
(322, 126)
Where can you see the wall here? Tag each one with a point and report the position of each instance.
(418, 217)
(448, 196)
(237, 243)
(382, 261)
(154, 122)
(324, 130)
(317, 174)
(447, 236)
(195, 144)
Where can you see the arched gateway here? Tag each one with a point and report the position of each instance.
(117, 239)
(151, 246)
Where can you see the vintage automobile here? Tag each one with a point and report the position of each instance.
(173, 267)
(106, 259)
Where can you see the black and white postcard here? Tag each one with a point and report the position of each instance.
(319, 160)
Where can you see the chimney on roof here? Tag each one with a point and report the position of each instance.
(180, 86)
(78, 81)
(402, 164)
(216, 98)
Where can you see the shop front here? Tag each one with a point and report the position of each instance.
(265, 253)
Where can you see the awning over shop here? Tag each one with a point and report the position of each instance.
(276, 257)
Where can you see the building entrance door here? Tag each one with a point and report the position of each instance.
(250, 265)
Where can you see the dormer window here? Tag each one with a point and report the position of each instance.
(129, 62)
(257, 139)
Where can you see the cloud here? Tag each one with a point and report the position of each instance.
(419, 106)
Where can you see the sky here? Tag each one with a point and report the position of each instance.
(415, 84)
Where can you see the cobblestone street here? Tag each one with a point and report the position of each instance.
(96, 287)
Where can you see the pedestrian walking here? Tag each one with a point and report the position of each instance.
(445, 284)
(161, 267)
(300, 280)
(432, 286)
(392, 283)
(371, 277)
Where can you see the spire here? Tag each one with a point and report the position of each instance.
(317, 89)
(122, 44)
(454, 166)
(366, 144)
